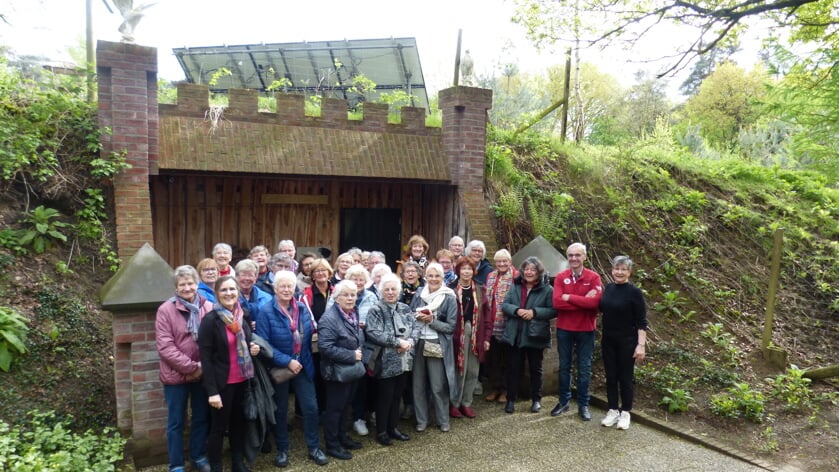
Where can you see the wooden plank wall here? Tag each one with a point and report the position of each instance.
(192, 213)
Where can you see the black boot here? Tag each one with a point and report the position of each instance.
(238, 464)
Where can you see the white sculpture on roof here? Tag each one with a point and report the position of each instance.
(131, 15)
(466, 69)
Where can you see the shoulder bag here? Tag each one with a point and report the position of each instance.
(346, 373)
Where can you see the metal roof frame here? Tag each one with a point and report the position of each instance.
(325, 68)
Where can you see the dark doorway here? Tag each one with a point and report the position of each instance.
(372, 229)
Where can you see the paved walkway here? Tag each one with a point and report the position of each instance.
(523, 441)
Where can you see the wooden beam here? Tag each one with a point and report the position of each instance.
(287, 199)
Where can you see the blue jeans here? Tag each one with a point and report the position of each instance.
(569, 343)
(177, 397)
(304, 390)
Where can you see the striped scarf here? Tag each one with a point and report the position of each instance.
(498, 286)
(233, 321)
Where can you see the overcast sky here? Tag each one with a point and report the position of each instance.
(49, 27)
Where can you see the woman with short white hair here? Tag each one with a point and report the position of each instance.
(365, 300)
(288, 326)
(434, 367)
(476, 250)
(340, 338)
(390, 337)
(222, 254)
(376, 274)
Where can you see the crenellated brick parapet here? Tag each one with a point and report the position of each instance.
(194, 101)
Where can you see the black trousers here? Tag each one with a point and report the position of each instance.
(228, 418)
(496, 363)
(620, 370)
(517, 356)
(339, 397)
(388, 393)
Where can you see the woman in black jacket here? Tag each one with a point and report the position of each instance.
(224, 335)
(339, 342)
(528, 307)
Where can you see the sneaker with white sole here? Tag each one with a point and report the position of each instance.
(611, 418)
(360, 427)
(623, 421)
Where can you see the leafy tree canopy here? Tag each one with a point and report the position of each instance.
(714, 23)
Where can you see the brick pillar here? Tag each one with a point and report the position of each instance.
(464, 142)
(132, 295)
(465, 133)
(128, 107)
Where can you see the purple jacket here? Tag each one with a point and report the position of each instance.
(177, 350)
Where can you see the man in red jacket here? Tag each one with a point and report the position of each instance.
(577, 293)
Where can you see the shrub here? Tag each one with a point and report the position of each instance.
(13, 331)
(47, 443)
(676, 400)
(739, 400)
(792, 388)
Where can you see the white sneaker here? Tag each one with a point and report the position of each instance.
(360, 427)
(623, 421)
(611, 418)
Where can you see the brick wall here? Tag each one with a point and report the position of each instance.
(128, 107)
(464, 142)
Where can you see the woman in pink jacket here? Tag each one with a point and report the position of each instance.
(176, 332)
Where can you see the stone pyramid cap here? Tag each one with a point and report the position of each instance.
(553, 260)
(143, 282)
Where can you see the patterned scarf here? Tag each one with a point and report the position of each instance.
(351, 317)
(293, 325)
(408, 292)
(194, 320)
(499, 285)
(461, 352)
(234, 324)
(422, 261)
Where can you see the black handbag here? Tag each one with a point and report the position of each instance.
(346, 373)
(372, 358)
(539, 330)
(249, 405)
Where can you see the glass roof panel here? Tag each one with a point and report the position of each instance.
(322, 67)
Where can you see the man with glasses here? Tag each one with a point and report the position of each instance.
(576, 297)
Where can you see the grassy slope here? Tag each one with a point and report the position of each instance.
(701, 234)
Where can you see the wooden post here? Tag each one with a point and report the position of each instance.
(457, 59)
(822, 373)
(565, 93)
(89, 58)
(773, 354)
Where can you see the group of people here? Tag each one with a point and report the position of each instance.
(361, 342)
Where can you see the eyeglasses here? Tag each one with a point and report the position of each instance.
(209, 270)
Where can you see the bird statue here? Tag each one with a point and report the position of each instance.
(466, 68)
(131, 15)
